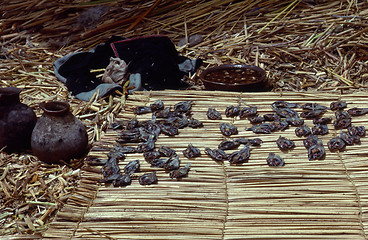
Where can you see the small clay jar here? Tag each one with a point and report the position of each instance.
(58, 134)
(17, 121)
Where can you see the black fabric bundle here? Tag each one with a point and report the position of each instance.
(153, 62)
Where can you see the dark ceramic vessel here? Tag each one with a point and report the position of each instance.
(58, 134)
(17, 121)
(235, 77)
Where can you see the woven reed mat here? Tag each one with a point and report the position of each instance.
(305, 199)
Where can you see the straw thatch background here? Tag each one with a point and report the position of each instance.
(303, 45)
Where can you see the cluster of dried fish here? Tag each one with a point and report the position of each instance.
(164, 120)
(111, 170)
(232, 111)
(236, 157)
(167, 159)
(274, 160)
(342, 121)
(168, 121)
(284, 116)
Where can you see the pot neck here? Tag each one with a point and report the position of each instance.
(9, 95)
(55, 108)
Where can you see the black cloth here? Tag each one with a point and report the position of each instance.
(153, 57)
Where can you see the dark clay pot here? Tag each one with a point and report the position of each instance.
(17, 121)
(58, 134)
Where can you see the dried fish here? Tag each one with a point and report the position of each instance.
(357, 111)
(173, 163)
(356, 131)
(132, 167)
(253, 142)
(324, 120)
(147, 146)
(111, 167)
(158, 105)
(145, 135)
(181, 172)
(213, 114)
(336, 144)
(109, 178)
(168, 129)
(338, 105)
(191, 152)
(256, 119)
(295, 121)
(346, 138)
(240, 156)
(142, 110)
(117, 179)
(349, 139)
(343, 119)
(302, 131)
(232, 111)
(166, 151)
(159, 162)
(286, 112)
(124, 149)
(132, 124)
(228, 129)
(151, 155)
(152, 128)
(274, 160)
(228, 144)
(247, 112)
(284, 104)
(181, 122)
(166, 113)
(129, 136)
(316, 152)
(313, 107)
(310, 141)
(116, 152)
(243, 140)
(281, 125)
(284, 143)
(266, 128)
(148, 178)
(194, 123)
(312, 113)
(271, 117)
(320, 129)
(183, 106)
(122, 180)
(217, 154)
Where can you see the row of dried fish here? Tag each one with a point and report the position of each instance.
(284, 109)
(113, 174)
(285, 116)
(236, 157)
